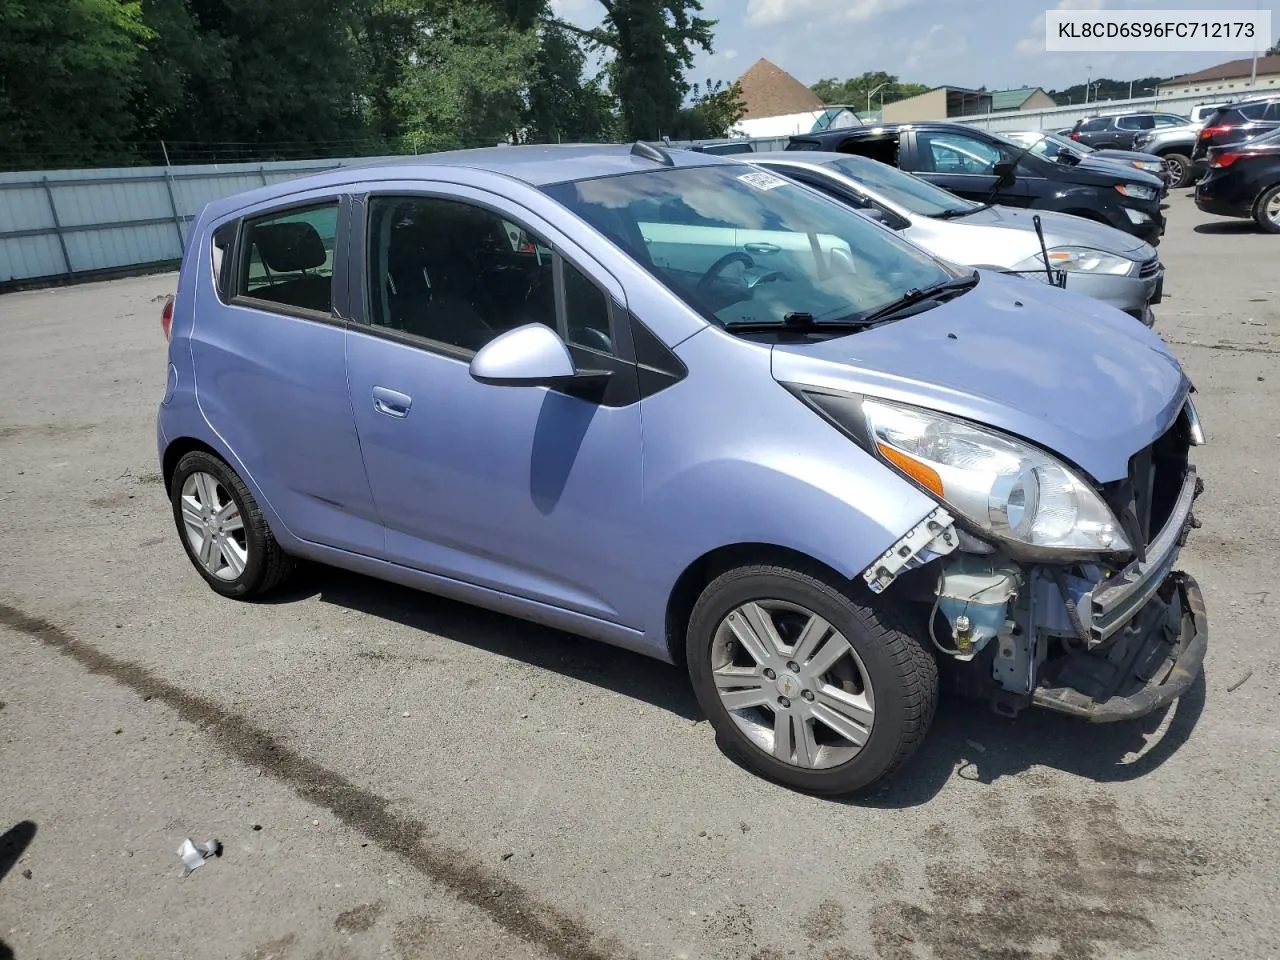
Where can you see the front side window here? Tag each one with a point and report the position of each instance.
(288, 258)
(956, 153)
(742, 245)
(459, 274)
(1169, 120)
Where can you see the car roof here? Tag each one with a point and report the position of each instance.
(876, 129)
(803, 156)
(536, 165)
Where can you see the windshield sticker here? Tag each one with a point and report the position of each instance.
(762, 181)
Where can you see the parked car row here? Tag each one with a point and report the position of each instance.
(989, 168)
(685, 405)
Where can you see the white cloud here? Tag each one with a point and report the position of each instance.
(940, 43)
(729, 54)
(763, 13)
(1034, 45)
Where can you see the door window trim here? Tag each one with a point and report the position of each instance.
(360, 248)
(239, 253)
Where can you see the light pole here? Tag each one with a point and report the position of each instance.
(1155, 95)
(874, 92)
(1088, 79)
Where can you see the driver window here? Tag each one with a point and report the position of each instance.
(956, 153)
(455, 273)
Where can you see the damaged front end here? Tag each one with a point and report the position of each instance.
(1106, 637)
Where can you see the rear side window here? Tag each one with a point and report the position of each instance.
(1094, 125)
(1273, 111)
(1142, 121)
(223, 266)
(287, 258)
(1252, 111)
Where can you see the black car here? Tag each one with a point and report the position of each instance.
(983, 166)
(1243, 180)
(1117, 133)
(1236, 123)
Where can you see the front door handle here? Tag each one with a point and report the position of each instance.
(391, 402)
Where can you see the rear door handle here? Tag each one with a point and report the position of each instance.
(761, 249)
(391, 403)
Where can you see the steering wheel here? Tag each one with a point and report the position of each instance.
(714, 271)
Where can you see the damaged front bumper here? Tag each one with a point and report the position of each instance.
(1153, 660)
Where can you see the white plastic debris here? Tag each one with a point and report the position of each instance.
(194, 854)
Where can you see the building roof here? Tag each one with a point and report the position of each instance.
(769, 91)
(1231, 70)
(1012, 99)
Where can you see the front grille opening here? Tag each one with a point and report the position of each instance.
(1168, 471)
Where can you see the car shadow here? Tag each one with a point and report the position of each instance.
(1229, 227)
(970, 741)
(13, 844)
(967, 739)
(610, 668)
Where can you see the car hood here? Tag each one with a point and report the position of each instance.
(1062, 229)
(1068, 373)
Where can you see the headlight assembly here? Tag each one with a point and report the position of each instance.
(1136, 191)
(1080, 260)
(1008, 490)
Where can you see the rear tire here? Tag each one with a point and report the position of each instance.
(223, 531)
(1179, 167)
(1267, 210)
(837, 665)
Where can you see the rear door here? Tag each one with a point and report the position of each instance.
(268, 352)
(1129, 127)
(1095, 132)
(965, 164)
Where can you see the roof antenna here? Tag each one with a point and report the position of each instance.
(649, 152)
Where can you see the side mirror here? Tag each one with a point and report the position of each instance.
(532, 356)
(1005, 177)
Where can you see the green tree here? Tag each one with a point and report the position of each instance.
(68, 70)
(886, 87)
(562, 106)
(465, 83)
(712, 114)
(653, 43)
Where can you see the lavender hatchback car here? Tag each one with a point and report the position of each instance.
(681, 405)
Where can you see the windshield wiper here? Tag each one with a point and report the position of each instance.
(796, 322)
(935, 291)
(953, 212)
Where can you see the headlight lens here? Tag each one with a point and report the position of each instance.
(1148, 165)
(1008, 489)
(1136, 191)
(1082, 260)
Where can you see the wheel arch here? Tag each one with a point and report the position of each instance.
(176, 450)
(699, 573)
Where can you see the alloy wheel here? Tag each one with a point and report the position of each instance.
(1273, 208)
(1176, 171)
(213, 526)
(793, 684)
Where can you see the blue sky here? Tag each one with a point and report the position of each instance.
(999, 43)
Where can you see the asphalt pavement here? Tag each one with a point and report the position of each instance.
(395, 775)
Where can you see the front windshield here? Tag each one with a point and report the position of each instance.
(742, 245)
(918, 196)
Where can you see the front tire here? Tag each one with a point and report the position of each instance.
(807, 680)
(222, 529)
(1267, 210)
(1179, 166)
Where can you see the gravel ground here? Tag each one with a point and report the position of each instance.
(394, 775)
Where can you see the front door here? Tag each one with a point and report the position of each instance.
(525, 490)
(966, 165)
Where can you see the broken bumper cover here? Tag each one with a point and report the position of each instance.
(1154, 661)
(1113, 603)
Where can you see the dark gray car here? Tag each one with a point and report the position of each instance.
(1117, 132)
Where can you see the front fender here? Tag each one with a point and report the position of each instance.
(731, 457)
